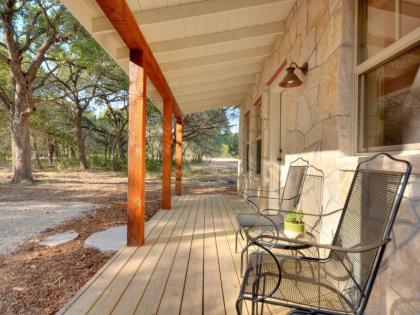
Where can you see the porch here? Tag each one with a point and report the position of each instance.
(187, 265)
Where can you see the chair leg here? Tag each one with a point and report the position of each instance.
(264, 285)
(242, 261)
(236, 241)
(254, 308)
(239, 303)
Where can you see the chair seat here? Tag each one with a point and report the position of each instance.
(307, 283)
(247, 220)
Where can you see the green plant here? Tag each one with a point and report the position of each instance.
(295, 216)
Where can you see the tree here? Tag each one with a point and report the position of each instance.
(201, 131)
(29, 28)
(78, 80)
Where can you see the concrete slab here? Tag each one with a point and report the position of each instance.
(110, 240)
(59, 239)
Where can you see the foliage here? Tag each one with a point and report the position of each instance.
(295, 216)
(80, 98)
(205, 132)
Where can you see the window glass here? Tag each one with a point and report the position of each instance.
(391, 102)
(382, 22)
(246, 147)
(409, 16)
(259, 148)
(247, 158)
(258, 121)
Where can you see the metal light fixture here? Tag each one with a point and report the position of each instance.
(291, 79)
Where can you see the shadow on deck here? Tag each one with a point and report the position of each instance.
(187, 265)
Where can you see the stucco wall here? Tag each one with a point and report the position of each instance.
(318, 126)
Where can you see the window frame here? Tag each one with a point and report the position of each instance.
(247, 141)
(258, 134)
(360, 69)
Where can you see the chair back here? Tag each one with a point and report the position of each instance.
(294, 183)
(368, 216)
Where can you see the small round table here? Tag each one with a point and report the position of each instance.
(286, 245)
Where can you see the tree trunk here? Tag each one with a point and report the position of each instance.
(121, 150)
(73, 152)
(114, 155)
(51, 150)
(80, 142)
(21, 143)
(57, 150)
(38, 160)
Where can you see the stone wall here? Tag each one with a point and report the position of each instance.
(318, 126)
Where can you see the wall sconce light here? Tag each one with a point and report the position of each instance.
(291, 79)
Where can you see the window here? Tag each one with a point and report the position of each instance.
(258, 166)
(388, 77)
(246, 142)
(258, 146)
(383, 22)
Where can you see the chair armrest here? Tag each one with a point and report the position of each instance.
(276, 198)
(304, 213)
(264, 197)
(256, 189)
(355, 249)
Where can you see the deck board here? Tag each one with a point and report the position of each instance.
(187, 265)
(172, 296)
(194, 276)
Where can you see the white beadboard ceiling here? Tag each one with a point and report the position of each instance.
(209, 51)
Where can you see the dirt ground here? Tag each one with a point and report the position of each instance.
(38, 280)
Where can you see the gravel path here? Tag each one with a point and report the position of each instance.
(23, 220)
(27, 210)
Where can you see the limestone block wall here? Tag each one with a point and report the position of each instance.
(318, 126)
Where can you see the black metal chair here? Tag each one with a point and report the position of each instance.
(342, 282)
(287, 200)
(311, 206)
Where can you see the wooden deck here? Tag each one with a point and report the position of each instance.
(188, 265)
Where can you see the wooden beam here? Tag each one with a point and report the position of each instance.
(232, 56)
(199, 96)
(221, 67)
(136, 149)
(207, 87)
(183, 12)
(215, 85)
(122, 20)
(167, 154)
(277, 72)
(178, 157)
(212, 38)
(181, 80)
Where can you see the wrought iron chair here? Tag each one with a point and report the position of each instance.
(342, 282)
(287, 200)
(311, 205)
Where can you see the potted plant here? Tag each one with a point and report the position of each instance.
(293, 224)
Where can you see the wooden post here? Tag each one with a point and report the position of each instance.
(136, 149)
(178, 157)
(167, 154)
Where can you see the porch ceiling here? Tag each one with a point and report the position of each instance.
(209, 51)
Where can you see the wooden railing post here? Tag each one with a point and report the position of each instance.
(167, 154)
(136, 149)
(178, 157)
